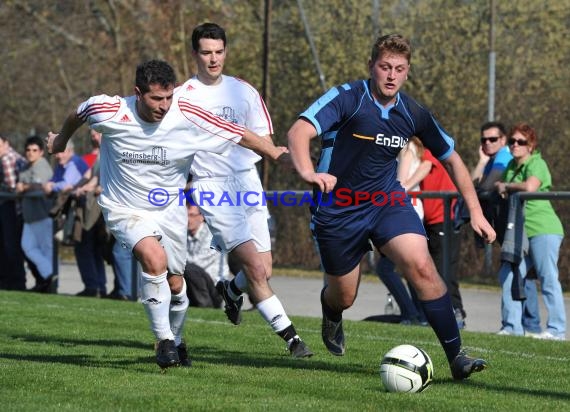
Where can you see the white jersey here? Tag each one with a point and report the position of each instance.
(144, 165)
(235, 101)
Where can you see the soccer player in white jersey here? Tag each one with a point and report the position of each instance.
(149, 140)
(241, 230)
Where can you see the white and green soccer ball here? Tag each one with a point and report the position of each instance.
(406, 368)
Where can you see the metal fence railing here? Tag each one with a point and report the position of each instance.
(446, 196)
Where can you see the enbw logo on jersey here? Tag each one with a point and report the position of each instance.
(394, 141)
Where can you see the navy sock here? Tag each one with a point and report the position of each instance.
(288, 333)
(439, 314)
(234, 288)
(331, 314)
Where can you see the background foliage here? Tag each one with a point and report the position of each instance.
(54, 54)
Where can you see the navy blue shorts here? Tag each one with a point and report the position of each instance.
(344, 238)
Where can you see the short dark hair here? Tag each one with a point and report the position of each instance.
(498, 125)
(35, 140)
(207, 31)
(391, 43)
(154, 72)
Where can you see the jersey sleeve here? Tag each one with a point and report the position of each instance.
(217, 135)
(430, 132)
(329, 110)
(99, 108)
(258, 118)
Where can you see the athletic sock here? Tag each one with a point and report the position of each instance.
(155, 297)
(288, 334)
(178, 309)
(233, 290)
(329, 312)
(240, 281)
(439, 314)
(274, 314)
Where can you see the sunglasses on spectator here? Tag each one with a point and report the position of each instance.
(520, 142)
(492, 139)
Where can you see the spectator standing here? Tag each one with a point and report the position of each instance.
(528, 172)
(494, 156)
(122, 262)
(67, 174)
(12, 274)
(37, 236)
(204, 266)
(90, 249)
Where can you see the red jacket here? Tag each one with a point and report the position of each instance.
(437, 180)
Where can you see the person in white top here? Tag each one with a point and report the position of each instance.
(238, 228)
(149, 140)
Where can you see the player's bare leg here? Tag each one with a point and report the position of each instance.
(256, 268)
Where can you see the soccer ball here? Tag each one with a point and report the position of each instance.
(406, 368)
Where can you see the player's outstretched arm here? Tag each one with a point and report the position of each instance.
(56, 142)
(299, 137)
(462, 178)
(261, 145)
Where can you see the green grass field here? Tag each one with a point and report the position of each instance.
(67, 353)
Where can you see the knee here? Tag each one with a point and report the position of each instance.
(176, 284)
(153, 263)
(255, 270)
(340, 301)
(423, 275)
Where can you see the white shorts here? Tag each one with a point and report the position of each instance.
(234, 209)
(169, 224)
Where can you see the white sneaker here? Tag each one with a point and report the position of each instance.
(535, 335)
(546, 335)
(504, 332)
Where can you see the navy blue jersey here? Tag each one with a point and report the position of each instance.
(361, 140)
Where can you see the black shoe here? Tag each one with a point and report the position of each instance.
(333, 336)
(231, 307)
(116, 296)
(183, 355)
(91, 293)
(48, 285)
(52, 284)
(298, 349)
(167, 354)
(463, 366)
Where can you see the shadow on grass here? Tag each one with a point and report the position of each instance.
(384, 318)
(503, 389)
(203, 354)
(132, 344)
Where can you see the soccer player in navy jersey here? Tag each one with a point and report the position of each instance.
(362, 126)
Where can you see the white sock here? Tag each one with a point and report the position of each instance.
(241, 281)
(274, 314)
(178, 309)
(155, 297)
